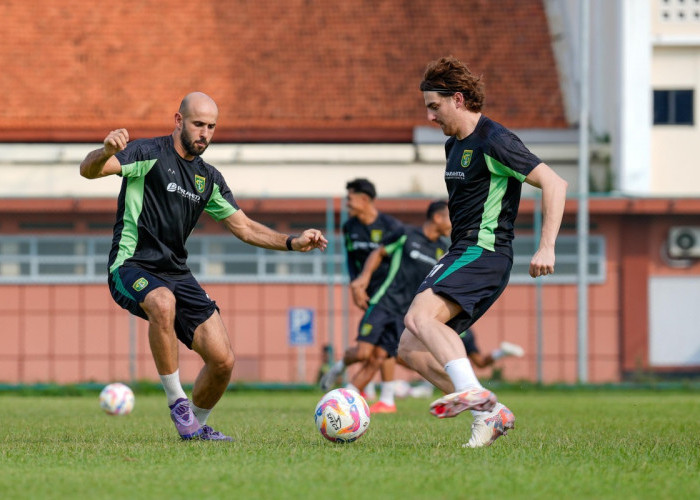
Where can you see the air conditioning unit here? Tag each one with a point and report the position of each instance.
(684, 242)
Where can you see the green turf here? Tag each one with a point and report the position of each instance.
(567, 444)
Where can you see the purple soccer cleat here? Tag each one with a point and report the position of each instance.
(185, 422)
(209, 434)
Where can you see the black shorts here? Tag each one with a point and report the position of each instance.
(130, 285)
(381, 328)
(471, 277)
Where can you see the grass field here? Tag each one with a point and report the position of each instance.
(567, 444)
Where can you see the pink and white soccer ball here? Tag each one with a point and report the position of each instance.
(117, 399)
(342, 416)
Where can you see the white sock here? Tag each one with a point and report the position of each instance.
(498, 354)
(338, 367)
(462, 375)
(352, 387)
(172, 386)
(202, 414)
(387, 394)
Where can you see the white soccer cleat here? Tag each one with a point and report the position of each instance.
(487, 428)
(512, 349)
(455, 403)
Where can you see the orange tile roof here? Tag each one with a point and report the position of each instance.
(295, 70)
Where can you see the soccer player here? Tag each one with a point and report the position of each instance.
(366, 230)
(485, 167)
(166, 187)
(411, 257)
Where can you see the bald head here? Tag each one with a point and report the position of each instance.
(197, 102)
(194, 124)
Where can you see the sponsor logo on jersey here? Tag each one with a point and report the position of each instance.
(376, 235)
(199, 183)
(454, 175)
(366, 329)
(174, 188)
(467, 157)
(140, 284)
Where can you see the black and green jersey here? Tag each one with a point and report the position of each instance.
(411, 258)
(484, 176)
(161, 199)
(361, 240)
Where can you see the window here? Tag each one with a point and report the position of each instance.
(673, 107)
(679, 11)
(224, 259)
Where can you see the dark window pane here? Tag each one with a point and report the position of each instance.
(661, 109)
(684, 107)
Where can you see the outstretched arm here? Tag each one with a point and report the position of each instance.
(102, 162)
(553, 199)
(260, 235)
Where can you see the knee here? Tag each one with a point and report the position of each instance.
(411, 321)
(160, 306)
(223, 366)
(377, 359)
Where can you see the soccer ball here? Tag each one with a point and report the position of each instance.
(342, 416)
(117, 399)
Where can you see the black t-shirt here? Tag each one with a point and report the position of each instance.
(411, 257)
(361, 240)
(161, 199)
(484, 175)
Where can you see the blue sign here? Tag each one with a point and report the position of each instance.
(301, 326)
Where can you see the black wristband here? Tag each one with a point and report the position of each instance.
(289, 242)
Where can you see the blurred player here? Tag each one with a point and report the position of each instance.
(411, 257)
(366, 230)
(486, 165)
(166, 188)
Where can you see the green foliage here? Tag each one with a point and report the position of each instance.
(566, 444)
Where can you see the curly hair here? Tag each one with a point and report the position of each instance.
(449, 75)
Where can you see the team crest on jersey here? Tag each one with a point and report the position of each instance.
(140, 284)
(439, 253)
(376, 235)
(366, 329)
(467, 157)
(199, 183)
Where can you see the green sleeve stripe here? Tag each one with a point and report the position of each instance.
(498, 168)
(392, 247)
(133, 204)
(217, 206)
(138, 168)
(394, 265)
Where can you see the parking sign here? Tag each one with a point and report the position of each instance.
(301, 326)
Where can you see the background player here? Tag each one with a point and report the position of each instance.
(366, 230)
(411, 258)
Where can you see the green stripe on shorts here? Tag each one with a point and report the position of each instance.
(467, 258)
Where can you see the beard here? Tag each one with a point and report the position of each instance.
(192, 147)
